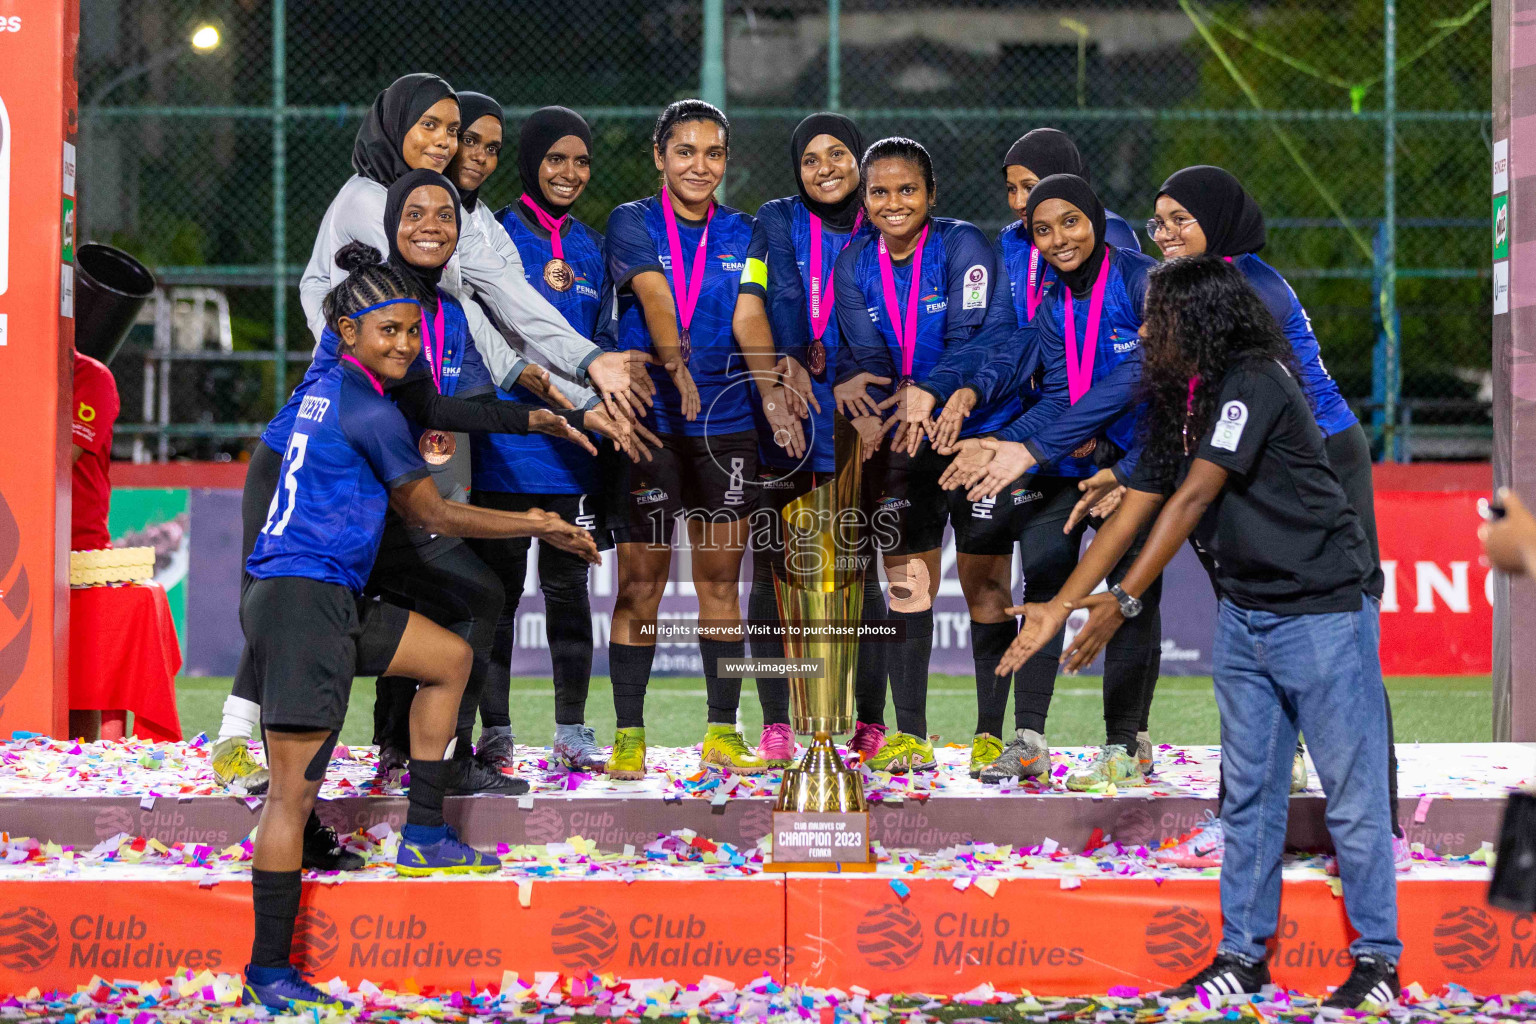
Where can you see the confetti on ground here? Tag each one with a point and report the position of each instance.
(549, 998)
(39, 766)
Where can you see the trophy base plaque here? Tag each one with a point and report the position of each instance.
(820, 820)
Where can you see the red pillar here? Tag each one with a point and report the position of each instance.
(38, 42)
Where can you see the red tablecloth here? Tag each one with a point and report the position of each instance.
(123, 654)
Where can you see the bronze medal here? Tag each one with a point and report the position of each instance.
(905, 382)
(559, 275)
(816, 358)
(436, 446)
(684, 344)
(1085, 449)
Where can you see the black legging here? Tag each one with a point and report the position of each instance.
(567, 618)
(452, 587)
(1131, 656)
(1046, 558)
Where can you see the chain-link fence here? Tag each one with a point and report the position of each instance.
(215, 168)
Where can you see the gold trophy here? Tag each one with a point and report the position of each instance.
(821, 818)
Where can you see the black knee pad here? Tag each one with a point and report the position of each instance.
(315, 770)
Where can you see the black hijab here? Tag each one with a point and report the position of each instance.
(426, 278)
(839, 215)
(545, 127)
(1232, 221)
(1046, 151)
(376, 153)
(1075, 191)
(472, 107)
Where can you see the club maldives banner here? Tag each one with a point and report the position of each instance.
(1436, 613)
(918, 935)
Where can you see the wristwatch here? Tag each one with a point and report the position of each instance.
(1130, 607)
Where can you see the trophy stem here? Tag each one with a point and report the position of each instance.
(821, 782)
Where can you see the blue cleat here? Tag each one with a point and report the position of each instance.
(288, 992)
(447, 856)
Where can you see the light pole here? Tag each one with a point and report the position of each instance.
(204, 39)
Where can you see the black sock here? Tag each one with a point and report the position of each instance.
(482, 675)
(909, 672)
(496, 694)
(630, 668)
(869, 683)
(429, 782)
(724, 695)
(763, 612)
(1034, 684)
(1397, 829)
(988, 642)
(275, 895)
(568, 625)
(1154, 668)
(1127, 656)
(392, 711)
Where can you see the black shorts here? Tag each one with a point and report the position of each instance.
(305, 640)
(709, 478)
(584, 510)
(909, 509)
(984, 527)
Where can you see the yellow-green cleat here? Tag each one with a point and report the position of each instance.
(628, 759)
(726, 749)
(1114, 765)
(904, 753)
(236, 769)
(985, 748)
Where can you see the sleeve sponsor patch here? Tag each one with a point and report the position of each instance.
(975, 288)
(1229, 426)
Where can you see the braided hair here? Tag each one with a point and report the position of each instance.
(370, 281)
(680, 111)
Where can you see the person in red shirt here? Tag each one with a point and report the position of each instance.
(95, 413)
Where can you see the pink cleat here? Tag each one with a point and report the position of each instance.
(1201, 847)
(777, 746)
(868, 738)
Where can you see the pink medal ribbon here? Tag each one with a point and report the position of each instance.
(1080, 365)
(366, 372)
(821, 312)
(1032, 293)
(906, 338)
(685, 285)
(432, 337)
(548, 223)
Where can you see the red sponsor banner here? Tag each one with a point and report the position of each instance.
(37, 195)
(1437, 611)
(1037, 936)
(823, 930)
(448, 933)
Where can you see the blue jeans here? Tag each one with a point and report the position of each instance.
(1320, 674)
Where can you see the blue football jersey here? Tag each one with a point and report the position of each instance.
(538, 463)
(1328, 404)
(636, 242)
(464, 373)
(348, 448)
(959, 305)
(786, 225)
(1055, 426)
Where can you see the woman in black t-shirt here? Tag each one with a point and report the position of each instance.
(1233, 457)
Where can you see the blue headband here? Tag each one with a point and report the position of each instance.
(380, 305)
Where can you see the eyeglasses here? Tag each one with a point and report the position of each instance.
(1157, 226)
